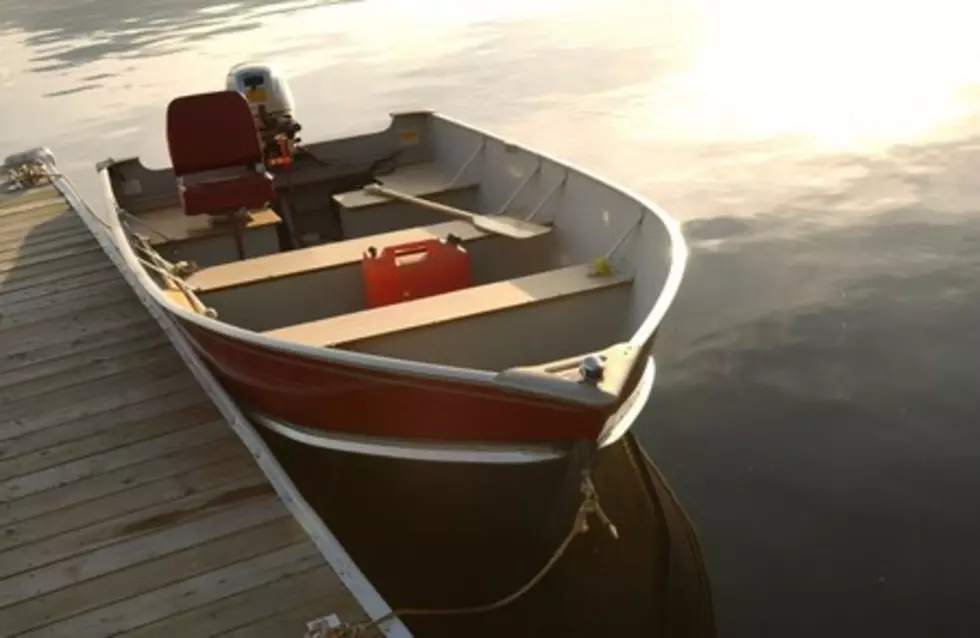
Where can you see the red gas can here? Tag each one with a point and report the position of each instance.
(414, 270)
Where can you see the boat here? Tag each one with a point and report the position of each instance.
(426, 291)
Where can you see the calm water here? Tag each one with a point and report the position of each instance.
(817, 407)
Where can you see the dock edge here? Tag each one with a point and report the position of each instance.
(329, 545)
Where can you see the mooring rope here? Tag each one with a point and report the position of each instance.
(590, 505)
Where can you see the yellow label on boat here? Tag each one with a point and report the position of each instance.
(256, 95)
(408, 136)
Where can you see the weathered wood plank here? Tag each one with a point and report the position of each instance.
(101, 391)
(250, 607)
(60, 475)
(118, 298)
(191, 593)
(53, 231)
(37, 208)
(36, 246)
(292, 621)
(44, 191)
(58, 354)
(126, 416)
(139, 373)
(112, 482)
(19, 227)
(149, 576)
(17, 344)
(27, 275)
(80, 366)
(78, 299)
(117, 437)
(32, 277)
(74, 303)
(125, 394)
(38, 222)
(58, 286)
(79, 515)
(75, 566)
(26, 226)
(18, 230)
(51, 257)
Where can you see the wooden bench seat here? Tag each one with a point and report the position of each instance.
(331, 255)
(448, 307)
(205, 240)
(420, 180)
(172, 226)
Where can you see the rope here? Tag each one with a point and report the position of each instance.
(130, 216)
(590, 505)
(185, 288)
(166, 273)
(372, 168)
(180, 269)
(30, 175)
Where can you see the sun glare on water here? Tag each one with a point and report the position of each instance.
(838, 73)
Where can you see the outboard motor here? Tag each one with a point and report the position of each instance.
(272, 105)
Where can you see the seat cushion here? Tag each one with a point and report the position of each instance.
(251, 190)
(209, 131)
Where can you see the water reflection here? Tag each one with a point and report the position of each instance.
(818, 401)
(64, 35)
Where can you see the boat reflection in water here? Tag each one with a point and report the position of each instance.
(434, 535)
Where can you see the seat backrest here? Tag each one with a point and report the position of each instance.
(209, 131)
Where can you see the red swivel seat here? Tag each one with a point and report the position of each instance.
(216, 155)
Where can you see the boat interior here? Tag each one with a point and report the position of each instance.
(369, 243)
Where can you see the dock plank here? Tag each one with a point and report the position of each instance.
(20, 229)
(112, 545)
(44, 245)
(194, 592)
(286, 623)
(35, 206)
(25, 278)
(96, 592)
(20, 342)
(248, 609)
(82, 365)
(62, 284)
(106, 483)
(16, 239)
(117, 504)
(155, 386)
(113, 439)
(16, 367)
(118, 457)
(127, 504)
(78, 299)
(44, 258)
(122, 417)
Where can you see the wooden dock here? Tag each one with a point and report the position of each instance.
(128, 504)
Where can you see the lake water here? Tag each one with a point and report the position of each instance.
(817, 407)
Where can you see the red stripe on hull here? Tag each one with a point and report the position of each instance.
(332, 397)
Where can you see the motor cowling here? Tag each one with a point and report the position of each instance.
(271, 101)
